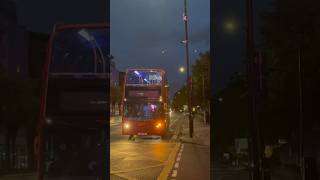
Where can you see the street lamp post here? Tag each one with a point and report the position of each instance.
(186, 41)
(301, 126)
(252, 96)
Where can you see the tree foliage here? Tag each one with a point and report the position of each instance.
(231, 112)
(115, 97)
(200, 80)
(179, 99)
(200, 84)
(292, 29)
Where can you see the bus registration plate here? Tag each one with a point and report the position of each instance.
(142, 133)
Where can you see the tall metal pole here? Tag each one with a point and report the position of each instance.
(300, 118)
(254, 141)
(204, 104)
(185, 18)
(203, 91)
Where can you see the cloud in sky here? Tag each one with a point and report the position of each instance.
(142, 29)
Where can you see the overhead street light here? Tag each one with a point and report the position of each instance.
(181, 69)
(92, 40)
(230, 25)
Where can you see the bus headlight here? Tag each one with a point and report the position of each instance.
(126, 125)
(159, 125)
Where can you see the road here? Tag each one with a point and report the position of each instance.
(144, 157)
(229, 173)
(151, 158)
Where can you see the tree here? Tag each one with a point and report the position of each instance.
(115, 97)
(200, 80)
(200, 86)
(179, 99)
(292, 29)
(230, 113)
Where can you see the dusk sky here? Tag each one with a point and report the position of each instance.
(149, 34)
(41, 15)
(141, 30)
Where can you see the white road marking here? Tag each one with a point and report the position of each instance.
(176, 165)
(178, 159)
(175, 120)
(174, 173)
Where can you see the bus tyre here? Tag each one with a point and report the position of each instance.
(130, 137)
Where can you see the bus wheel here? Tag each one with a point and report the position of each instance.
(130, 138)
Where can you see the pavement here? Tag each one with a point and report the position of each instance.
(277, 173)
(193, 158)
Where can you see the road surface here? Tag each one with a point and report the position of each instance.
(151, 158)
(143, 157)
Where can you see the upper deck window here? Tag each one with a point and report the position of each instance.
(144, 77)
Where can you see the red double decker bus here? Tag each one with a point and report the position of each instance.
(145, 103)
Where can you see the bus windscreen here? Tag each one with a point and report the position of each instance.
(142, 110)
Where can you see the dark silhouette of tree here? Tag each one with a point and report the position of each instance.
(230, 118)
(292, 29)
(115, 97)
(179, 99)
(200, 80)
(200, 84)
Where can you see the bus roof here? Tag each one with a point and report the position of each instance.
(146, 69)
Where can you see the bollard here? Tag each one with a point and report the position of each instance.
(266, 169)
(310, 166)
